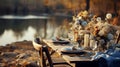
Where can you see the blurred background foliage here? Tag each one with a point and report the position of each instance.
(71, 7)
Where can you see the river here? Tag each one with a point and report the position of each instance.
(19, 28)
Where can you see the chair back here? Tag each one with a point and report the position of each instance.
(43, 53)
(36, 45)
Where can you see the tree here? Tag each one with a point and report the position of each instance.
(16, 3)
(87, 4)
(115, 7)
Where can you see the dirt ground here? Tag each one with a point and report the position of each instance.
(18, 54)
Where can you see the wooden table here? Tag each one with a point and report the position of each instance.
(74, 60)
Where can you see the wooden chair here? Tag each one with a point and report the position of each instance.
(44, 52)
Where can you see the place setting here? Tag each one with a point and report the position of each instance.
(60, 41)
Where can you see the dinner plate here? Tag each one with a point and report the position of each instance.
(74, 52)
(61, 41)
(69, 50)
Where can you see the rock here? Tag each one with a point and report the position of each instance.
(9, 54)
(32, 64)
(18, 54)
(23, 56)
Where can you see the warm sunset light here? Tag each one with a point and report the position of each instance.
(59, 33)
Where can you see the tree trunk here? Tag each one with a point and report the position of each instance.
(87, 4)
(45, 28)
(115, 7)
(15, 11)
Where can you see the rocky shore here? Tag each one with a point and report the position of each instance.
(18, 54)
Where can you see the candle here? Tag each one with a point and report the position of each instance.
(86, 40)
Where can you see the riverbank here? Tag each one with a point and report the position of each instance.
(18, 54)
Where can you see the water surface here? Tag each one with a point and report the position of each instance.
(19, 28)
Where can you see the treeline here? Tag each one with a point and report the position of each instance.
(61, 6)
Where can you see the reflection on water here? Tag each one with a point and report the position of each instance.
(12, 30)
(23, 17)
(9, 36)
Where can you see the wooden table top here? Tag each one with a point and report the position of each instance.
(68, 57)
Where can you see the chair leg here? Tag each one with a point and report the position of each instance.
(42, 59)
(45, 49)
(53, 51)
(48, 56)
(39, 62)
